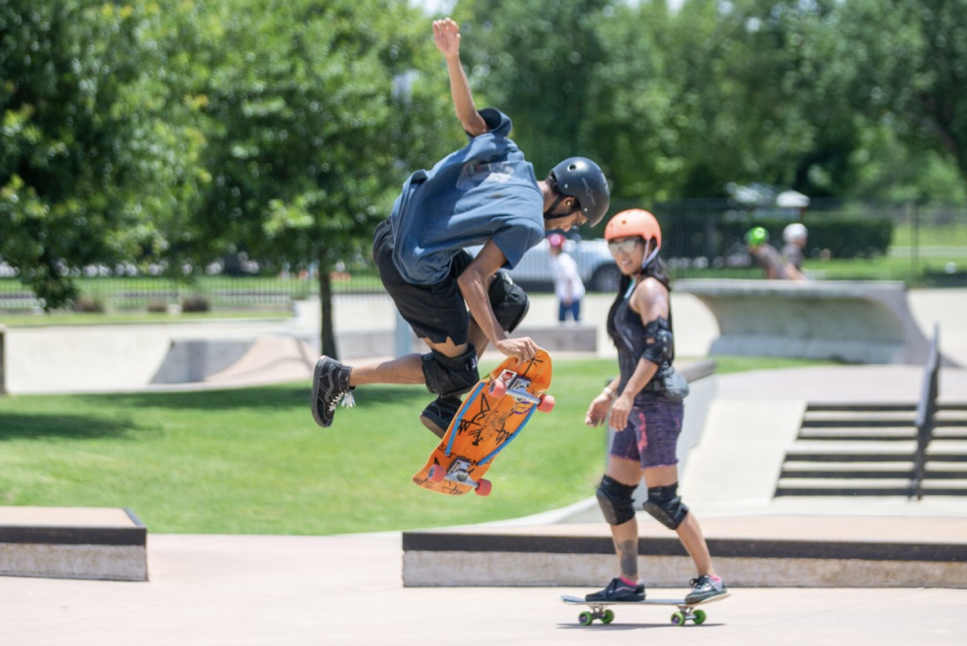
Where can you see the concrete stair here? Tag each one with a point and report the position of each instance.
(868, 450)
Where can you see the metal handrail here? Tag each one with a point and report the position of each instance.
(926, 412)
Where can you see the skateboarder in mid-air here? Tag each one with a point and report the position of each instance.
(483, 194)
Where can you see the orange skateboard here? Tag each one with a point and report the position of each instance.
(492, 415)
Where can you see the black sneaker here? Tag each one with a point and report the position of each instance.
(705, 588)
(330, 384)
(439, 413)
(618, 590)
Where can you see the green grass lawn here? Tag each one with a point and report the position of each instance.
(252, 461)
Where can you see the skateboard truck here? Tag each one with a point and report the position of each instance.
(499, 388)
(599, 609)
(606, 615)
(460, 472)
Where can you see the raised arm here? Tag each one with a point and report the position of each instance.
(446, 35)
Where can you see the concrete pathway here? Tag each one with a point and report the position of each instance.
(291, 590)
(340, 590)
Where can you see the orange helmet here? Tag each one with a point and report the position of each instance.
(634, 222)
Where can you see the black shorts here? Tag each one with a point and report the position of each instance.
(435, 312)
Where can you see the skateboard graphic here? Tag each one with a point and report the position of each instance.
(491, 416)
(600, 610)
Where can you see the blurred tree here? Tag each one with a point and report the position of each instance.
(319, 111)
(537, 60)
(914, 70)
(97, 154)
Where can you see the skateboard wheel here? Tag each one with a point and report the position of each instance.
(436, 474)
(498, 388)
(547, 404)
(699, 617)
(585, 618)
(484, 487)
(607, 617)
(678, 618)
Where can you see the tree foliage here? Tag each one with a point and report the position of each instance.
(682, 103)
(93, 164)
(142, 132)
(317, 109)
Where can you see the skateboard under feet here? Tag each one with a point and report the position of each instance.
(599, 609)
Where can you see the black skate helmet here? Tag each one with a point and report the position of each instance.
(582, 179)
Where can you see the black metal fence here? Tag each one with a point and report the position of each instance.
(704, 235)
(160, 294)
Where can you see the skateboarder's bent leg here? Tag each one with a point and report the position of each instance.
(662, 481)
(449, 377)
(333, 381)
(509, 302)
(615, 499)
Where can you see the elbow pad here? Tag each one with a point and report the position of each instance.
(659, 342)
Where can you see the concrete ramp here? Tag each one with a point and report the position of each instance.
(192, 360)
(269, 359)
(852, 321)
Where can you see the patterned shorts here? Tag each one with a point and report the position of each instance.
(651, 436)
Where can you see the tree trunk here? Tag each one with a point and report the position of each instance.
(327, 334)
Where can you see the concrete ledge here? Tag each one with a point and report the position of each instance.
(749, 551)
(853, 321)
(73, 543)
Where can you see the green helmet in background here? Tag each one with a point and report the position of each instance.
(756, 236)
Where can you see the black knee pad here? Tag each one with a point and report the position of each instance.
(666, 506)
(450, 376)
(615, 500)
(509, 302)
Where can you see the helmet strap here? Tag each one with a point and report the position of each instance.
(548, 214)
(650, 257)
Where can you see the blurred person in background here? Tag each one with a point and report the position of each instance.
(764, 254)
(567, 281)
(794, 236)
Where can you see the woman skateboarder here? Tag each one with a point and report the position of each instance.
(643, 405)
(483, 194)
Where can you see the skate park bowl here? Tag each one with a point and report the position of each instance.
(848, 321)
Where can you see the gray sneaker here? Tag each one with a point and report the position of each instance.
(330, 384)
(705, 588)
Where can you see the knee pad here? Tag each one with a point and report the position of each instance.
(508, 301)
(666, 506)
(450, 376)
(615, 500)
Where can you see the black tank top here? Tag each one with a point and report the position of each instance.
(630, 339)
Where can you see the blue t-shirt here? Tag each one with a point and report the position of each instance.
(484, 191)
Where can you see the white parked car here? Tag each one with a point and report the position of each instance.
(595, 265)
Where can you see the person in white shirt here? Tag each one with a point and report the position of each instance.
(795, 236)
(567, 281)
